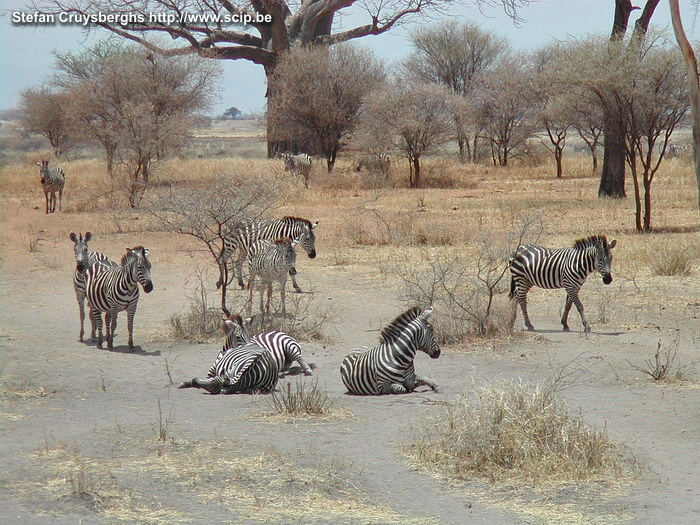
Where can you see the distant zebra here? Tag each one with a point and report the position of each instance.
(84, 260)
(52, 180)
(388, 367)
(271, 261)
(243, 237)
(565, 268)
(111, 289)
(374, 162)
(298, 164)
(247, 368)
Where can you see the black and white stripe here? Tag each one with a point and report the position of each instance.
(52, 180)
(271, 261)
(84, 259)
(112, 289)
(243, 237)
(245, 369)
(298, 164)
(374, 163)
(388, 367)
(565, 268)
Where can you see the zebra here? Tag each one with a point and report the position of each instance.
(565, 268)
(283, 347)
(111, 289)
(271, 261)
(246, 368)
(52, 180)
(388, 367)
(374, 162)
(243, 237)
(299, 164)
(84, 260)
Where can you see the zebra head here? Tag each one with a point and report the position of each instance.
(307, 238)
(287, 255)
(81, 250)
(603, 258)
(237, 331)
(44, 170)
(138, 257)
(426, 337)
(286, 156)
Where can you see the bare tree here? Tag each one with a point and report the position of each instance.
(46, 112)
(410, 118)
(455, 55)
(212, 29)
(209, 214)
(691, 67)
(321, 114)
(588, 122)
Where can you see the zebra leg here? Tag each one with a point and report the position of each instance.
(297, 288)
(212, 385)
(130, 313)
(96, 315)
(522, 299)
(384, 387)
(283, 296)
(112, 329)
(238, 269)
(305, 368)
(108, 328)
(81, 309)
(567, 308)
(579, 307)
(269, 297)
(60, 200)
(46, 196)
(424, 381)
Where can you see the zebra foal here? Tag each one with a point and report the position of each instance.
(52, 180)
(84, 259)
(388, 367)
(374, 162)
(566, 268)
(298, 164)
(242, 238)
(112, 289)
(239, 368)
(271, 261)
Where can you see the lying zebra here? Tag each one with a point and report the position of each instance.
(388, 367)
(245, 368)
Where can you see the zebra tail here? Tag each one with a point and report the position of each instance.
(512, 288)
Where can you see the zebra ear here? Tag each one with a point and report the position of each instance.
(612, 244)
(314, 225)
(228, 325)
(248, 321)
(38, 164)
(88, 236)
(73, 237)
(294, 243)
(427, 312)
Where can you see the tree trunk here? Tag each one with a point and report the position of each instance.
(612, 180)
(693, 83)
(595, 160)
(414, 176)
(637, 195)
(647, 204)
(558, 154)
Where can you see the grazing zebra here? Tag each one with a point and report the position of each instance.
(565, 268)
(246, 369)
(298, 164)
(271, 261)
(374, 162)
(111, 289)
(52, 180)
(84, 260)
(388, 367)
(244, 236)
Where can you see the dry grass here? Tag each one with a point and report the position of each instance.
(24, 389)
(673, 257)
(304, 398)
(663, 366)
(518, 435)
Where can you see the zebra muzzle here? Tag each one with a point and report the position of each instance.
(607, 279)
(148, 288)
(312, 254)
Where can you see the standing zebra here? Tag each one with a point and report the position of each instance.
(388, 367)
(52, 180)
(244, 236)
(565, 268)
(84, 260)
(111, 289)
(271, 261)
(238, 369)
(374, 162)
(298, 164)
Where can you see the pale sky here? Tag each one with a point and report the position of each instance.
(25, 51)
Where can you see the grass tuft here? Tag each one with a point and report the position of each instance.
(301, 399)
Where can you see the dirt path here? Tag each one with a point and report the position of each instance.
(64, 399)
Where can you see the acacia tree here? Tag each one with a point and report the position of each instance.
(47, 113)
(321, 114)
(691, 67)
(456, 55)
(410, 118)
(201, 27)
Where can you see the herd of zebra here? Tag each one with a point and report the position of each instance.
(249, 363)
(301, 164)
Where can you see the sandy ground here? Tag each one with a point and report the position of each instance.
(75, 416)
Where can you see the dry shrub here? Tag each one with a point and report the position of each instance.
(305, 398)
(663, 366)
(409, 228)
(514, 433)
(672, 258)
(442, 173)
(202, 321)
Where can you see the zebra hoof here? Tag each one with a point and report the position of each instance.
(308, 373)
(99, 345)
(587, 329)
(437, 390)
(566, 329)
(530, 328)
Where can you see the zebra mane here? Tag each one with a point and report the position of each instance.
(126, 257)
(291, 219)
(394, 328)
(587, 242)
(283, 240)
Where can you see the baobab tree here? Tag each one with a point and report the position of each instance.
(213, 29)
